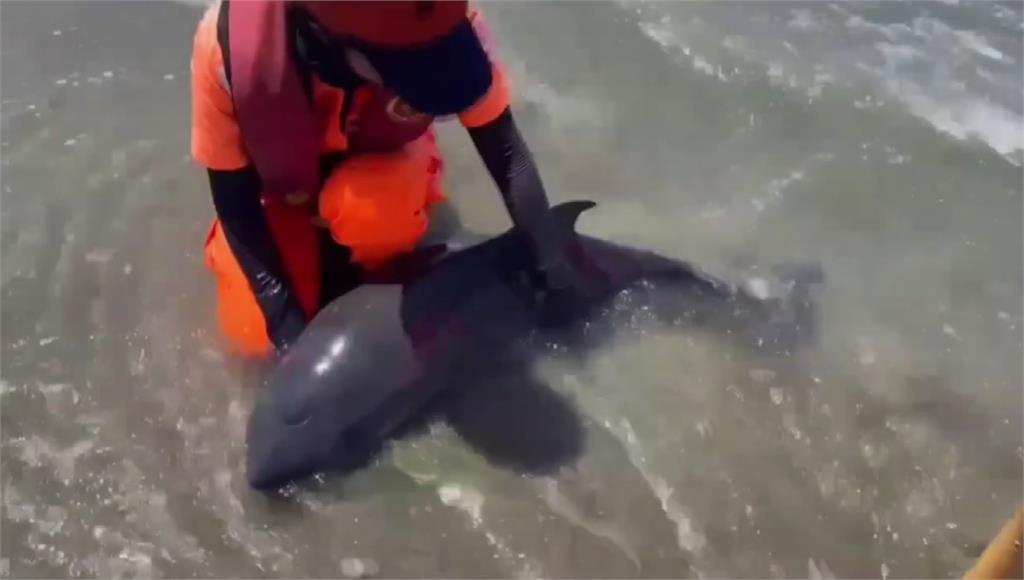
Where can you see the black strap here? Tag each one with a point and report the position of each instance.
(223, 38)
(224, 42)
(346, 107)
(296, 55)
(236, 199)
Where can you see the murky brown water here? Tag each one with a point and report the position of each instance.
(893, 448)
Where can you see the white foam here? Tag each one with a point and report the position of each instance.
(896, 55)
(563, 506)
(37, 452)
(891, 31)
(358, 567)
(1000, 129)
(802, 19)
(688, 537)
(703, 66)
(818, 571)
(662, 32)
(465, 498)
(940, 35)
(470, 501)
(945, 101)
(1008, 16)
(980, 46)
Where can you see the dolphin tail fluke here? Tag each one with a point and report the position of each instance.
(799, 307)
(803, 273)
(804, 281)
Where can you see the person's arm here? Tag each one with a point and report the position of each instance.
(217, 146)
(236, 199)
(511, 165)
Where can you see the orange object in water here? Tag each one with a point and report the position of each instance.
(377, 203)
(238, 313)
(1004, 556)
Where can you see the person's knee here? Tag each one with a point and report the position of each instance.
(243, 326)
(377, 204)
(239, 317)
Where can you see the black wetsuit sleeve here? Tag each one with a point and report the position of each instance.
(511, 165)
(236, 199)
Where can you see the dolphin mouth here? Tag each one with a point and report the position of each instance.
(277, 452)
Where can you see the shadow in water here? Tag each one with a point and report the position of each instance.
(504, 413)
(516, 421)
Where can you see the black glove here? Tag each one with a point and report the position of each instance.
(236, 199)
(563, 293)
(285, 327)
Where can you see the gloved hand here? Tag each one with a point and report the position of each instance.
(285, 328)
(564, 295)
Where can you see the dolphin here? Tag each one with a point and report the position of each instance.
(375, 356)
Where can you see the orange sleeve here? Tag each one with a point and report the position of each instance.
(216, 138)
(498, 96)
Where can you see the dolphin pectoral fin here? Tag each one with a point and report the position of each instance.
(489, 410)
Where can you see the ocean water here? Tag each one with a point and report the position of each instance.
(883, 140)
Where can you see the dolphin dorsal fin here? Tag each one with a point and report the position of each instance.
(567, 213)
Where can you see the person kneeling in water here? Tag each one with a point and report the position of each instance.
(314, 123)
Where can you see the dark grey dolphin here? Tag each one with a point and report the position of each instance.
(373, 357)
